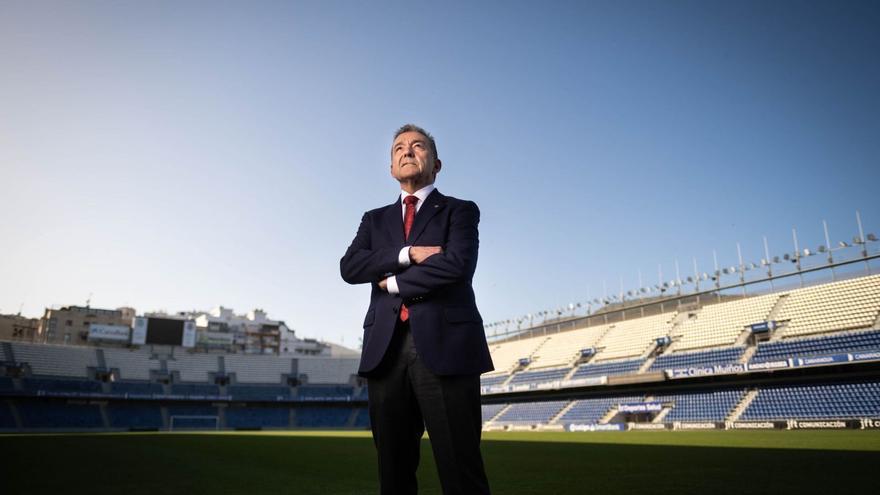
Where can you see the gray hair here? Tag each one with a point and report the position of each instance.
(415, 128)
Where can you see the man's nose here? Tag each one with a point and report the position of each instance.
(408, 151)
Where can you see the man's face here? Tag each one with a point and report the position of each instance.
(412, 160)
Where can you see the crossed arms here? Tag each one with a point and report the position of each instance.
(432, 268)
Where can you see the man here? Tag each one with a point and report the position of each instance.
(424, 346)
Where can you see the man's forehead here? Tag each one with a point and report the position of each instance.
(409, 137)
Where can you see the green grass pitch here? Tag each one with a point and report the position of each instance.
(330, 463)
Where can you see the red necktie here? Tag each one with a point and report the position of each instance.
(408, 218)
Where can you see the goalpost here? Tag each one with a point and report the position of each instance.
(189, 422)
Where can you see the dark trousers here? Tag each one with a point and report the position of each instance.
(404, 398)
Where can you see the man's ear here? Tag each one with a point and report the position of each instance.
(437, 166)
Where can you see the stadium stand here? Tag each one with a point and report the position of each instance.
(68, 387)
(327, 392)
(194, 389)
(631, 338)
(720, 324)
(193, 367)
(257, 417)
(592, 410)
(57, 414)
(813, 346)
(362, 420)
(507, 356)
(322, 417)
(845, 305)
(531, 412)
(326, 370)
(60, 385)
(562, 349)
(6, 383)
(136, 388)
(699, 358)
(133, 364)
(249, 368)
(258, 392)
(621, 367)
(491, 410)
(490, 380)
(714, 405)
(56, 360)
(7, 420)
(539, 376)
(134, 415)
(826, 401)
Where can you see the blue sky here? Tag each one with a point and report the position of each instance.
(180, 155)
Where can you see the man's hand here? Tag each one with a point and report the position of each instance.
(418, 254)
(383, 284)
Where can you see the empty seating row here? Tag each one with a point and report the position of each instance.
(507, 355)
(323, 417)
(531, 412)
(833, 401)
(631, 338)
(539, 376)
(257, 417)
(715, 405)
(56, 360)
(845, 305)
(722, 323)
(258, 392)
(592, 410)
(132, 364)
(327, 370)
(830, 344)
(725, 355)
(563, 348)
(622, 367)
(325, 391)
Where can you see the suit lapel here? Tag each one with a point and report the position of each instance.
(394, 221)
(433, 204)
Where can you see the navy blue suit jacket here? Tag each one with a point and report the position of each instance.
(446, 326)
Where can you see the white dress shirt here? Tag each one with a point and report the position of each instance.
(403, 257)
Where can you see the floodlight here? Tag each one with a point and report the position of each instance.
(843, 244)
(872, 237)
(786, 257)
(821, 249)
(776, 259)
(807, 252)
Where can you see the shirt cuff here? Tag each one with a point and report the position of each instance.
(403, 257)
(392, 285)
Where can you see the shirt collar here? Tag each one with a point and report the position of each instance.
(421, 193)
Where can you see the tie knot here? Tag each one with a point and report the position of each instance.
(410, 200)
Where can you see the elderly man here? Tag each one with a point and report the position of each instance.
(424, 346)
